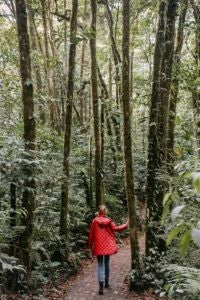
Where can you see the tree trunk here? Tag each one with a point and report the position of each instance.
(157, 186)
(128, 161)
(195, 92)
(36, 65)
(165, 89)
(153, 150)
(110, 78)
(117, 61)
(81, 80)
(68, 122)
(131, 74)
(102, 122)
(28, 197)
(166, 78)
(175, 86)
(82, 68)
(64, 70)
(13, 215)
(13, 204)
(106, 116)
(49, 76)
(95, 101)
(56, 115)
(90, 173)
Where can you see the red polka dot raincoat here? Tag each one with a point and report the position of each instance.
(102, 239)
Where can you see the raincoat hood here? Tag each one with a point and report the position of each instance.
(102, 220)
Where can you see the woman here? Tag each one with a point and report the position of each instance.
(102, 242)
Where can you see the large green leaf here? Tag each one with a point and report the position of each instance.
(196, 181)
(174, 232)
(184, 242)
(166, 198)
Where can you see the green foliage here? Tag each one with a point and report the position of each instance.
(182, 205)
(173, 233)
(184, 196)
(183, 283)
(151, 275)
(12, 274)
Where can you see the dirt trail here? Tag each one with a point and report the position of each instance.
(85, 286)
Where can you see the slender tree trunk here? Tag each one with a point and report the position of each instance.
(39, 43)
(95, 100)
(56, 115)
(166, 78)
(81, 80)
(106, 116)
(68, 122)
(128, 161)
(157, 186)
(102, 122)
(49, 75)
(153, 150)
(64, 75)
(90, 172)
(165, 89)
(13, 214)
(28, 197)
(131, 75)
(175, 86)
(195, 92)
(110, 78)
(36, 65)
(117, 63)
(82, 69)
(13, 204)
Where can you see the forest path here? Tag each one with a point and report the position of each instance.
(84, 286)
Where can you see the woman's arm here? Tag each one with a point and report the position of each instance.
(120, 227)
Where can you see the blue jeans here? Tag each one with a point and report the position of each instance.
(106, 259)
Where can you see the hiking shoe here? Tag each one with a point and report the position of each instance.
(107, 285)
(101, 288)
(100, 291)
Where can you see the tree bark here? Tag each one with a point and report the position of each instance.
(49, 75)
(28, 197)
(95, 101)
(196, 92)
(166, 78)
(107, 119)
(153, 147)
(36, 65)
(175, 86)
(90, 172)
(82, 69)
(159, 123)
(117, 63)
(128, 161)
(68, 122)
(110, 78)
(13, 204)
